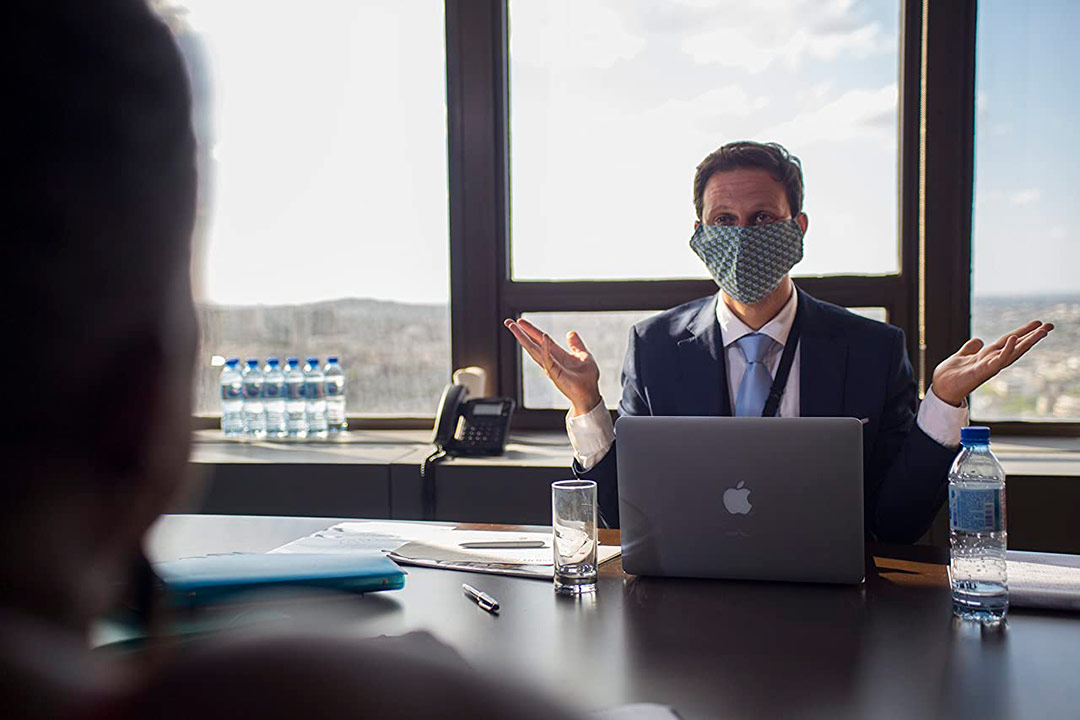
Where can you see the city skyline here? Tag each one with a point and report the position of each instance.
(406, 377)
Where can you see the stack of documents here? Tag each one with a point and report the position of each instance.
(443, 546)
(349, 537)
(450, 552)
(1043, 580)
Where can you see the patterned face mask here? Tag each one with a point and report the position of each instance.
(749, 262)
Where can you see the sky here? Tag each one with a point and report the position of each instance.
(325, 169)
(635, 93)
(1026, 171)
(326, 175)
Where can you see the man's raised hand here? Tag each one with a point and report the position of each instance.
(573, 371)
(973, 364)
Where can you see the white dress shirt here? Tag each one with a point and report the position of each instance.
(593, 433)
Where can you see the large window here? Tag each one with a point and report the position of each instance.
(323, 215)
(1025, 246)
(613, 104)
(387, 180)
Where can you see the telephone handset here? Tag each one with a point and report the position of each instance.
(477, 426)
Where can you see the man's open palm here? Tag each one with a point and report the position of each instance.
(973, 364)
(573, 371)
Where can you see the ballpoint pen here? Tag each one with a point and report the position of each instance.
(485, 601)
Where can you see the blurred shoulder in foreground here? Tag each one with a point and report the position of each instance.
(99, 205)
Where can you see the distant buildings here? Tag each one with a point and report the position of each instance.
(397, 355)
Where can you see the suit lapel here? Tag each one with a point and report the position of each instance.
(822, 361)
(703, 386)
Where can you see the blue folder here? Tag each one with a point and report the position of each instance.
(195, 581)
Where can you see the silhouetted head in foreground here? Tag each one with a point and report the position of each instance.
(99, 331)
(99, 320)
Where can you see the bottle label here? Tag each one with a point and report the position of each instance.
(975, 510)
(294, 391)
(252, 391)
(272, 391)
(231, 392)
(313, 390)
(333, 388)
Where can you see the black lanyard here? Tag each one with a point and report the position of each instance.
(782, 372)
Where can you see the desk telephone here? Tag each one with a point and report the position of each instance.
(477, 426)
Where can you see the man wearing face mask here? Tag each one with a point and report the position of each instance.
(762, 347)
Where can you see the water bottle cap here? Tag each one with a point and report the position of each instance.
(975, 434)
(292, 360)
(272, 360)
(313, 361)
(252, 363)
(332, 359)
(232, 362)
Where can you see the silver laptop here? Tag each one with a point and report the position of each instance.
(742, 498)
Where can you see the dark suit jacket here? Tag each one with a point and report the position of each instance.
(849, 367)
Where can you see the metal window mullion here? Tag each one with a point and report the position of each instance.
(478, 177)
(947, 153)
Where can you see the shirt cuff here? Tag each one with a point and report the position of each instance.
(940, 420)
(591, 434)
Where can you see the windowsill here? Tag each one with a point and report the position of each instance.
(1038, 456)
(1021, 456)
(356, 447)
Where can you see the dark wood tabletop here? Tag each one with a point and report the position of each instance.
(726, 649)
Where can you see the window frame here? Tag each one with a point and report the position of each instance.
(936, 123)
(946, 197)
(478, 99)
(935, 139)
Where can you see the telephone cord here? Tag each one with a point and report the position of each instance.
(427, 482)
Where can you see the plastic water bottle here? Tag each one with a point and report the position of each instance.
(232, 399)
(334, 389)
(295, 412)
(274, 398)
(977, 536)
(254, 410)
(314, 400)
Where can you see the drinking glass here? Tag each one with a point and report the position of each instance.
(573, 518)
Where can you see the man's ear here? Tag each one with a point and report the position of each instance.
(804, 222)
(697, 224)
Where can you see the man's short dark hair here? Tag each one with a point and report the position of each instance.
(784, 168)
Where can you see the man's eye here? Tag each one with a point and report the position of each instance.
(723, 220)
(763, 218)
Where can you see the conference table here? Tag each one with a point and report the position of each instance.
(889, 648)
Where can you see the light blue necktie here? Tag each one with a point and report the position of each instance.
(756, 381)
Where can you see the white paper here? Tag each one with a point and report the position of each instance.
(531, 562)
(1043, 580)
(349, 537)
(574, 543)
(439, 546)
(447, 548)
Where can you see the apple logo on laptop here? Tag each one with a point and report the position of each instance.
(737, 500)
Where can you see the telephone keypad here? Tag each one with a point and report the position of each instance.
(481, 427)
(482, 433)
